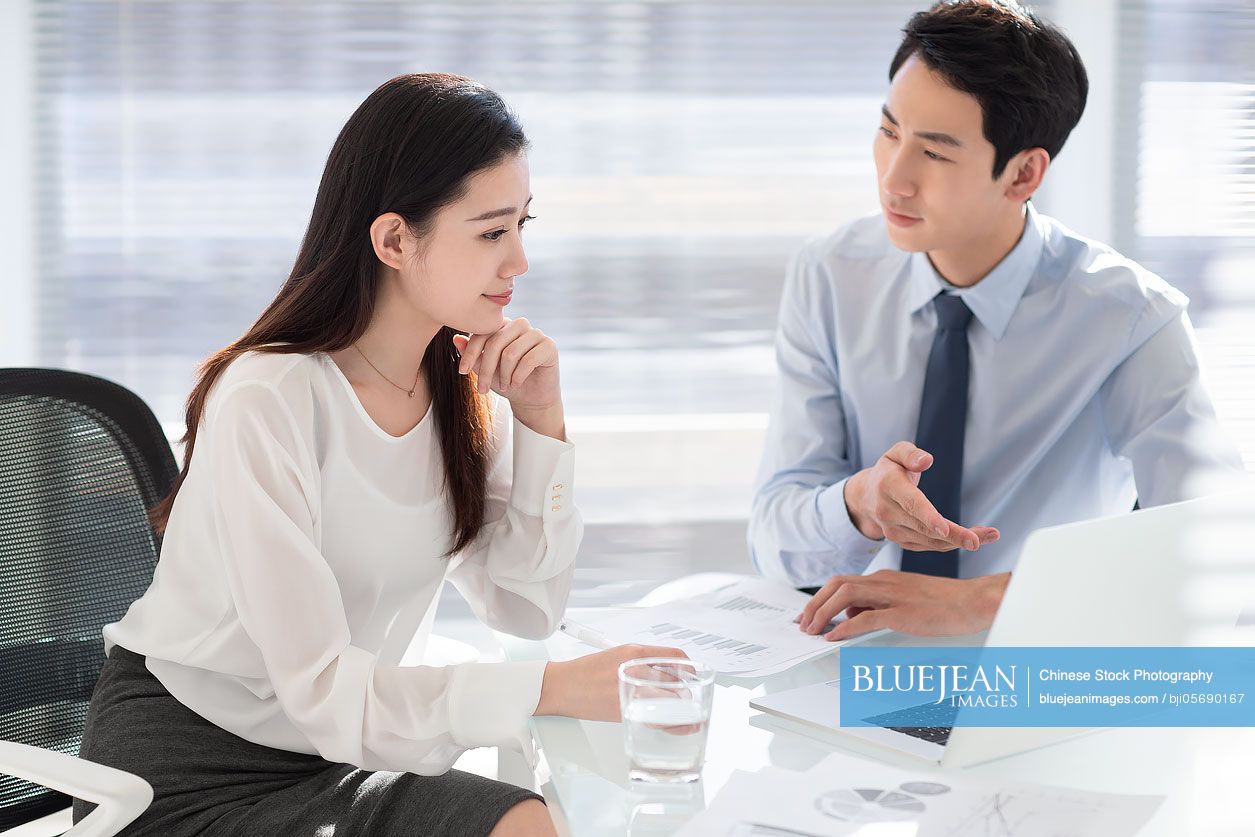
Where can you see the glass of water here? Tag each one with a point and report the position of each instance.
(665, 703)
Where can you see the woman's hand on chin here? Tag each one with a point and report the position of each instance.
(520, 363)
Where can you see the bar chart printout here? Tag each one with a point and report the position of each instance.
(745, 627)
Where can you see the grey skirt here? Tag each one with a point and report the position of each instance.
(208, 781)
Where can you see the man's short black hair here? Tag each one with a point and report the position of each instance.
(1024, 72)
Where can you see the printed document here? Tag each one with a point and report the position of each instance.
(744, 628)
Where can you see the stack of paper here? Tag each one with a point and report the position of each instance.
(844, 795)
(744, 628)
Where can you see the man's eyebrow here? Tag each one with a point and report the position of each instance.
(497, 213)
(937, 137)
(931, 136)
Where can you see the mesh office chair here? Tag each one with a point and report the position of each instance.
(81, 460)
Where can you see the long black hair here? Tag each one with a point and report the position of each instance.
(409, 148)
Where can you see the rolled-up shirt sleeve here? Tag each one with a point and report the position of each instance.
(800, 529)
(349, 706)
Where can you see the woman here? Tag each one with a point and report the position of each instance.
(343, 458)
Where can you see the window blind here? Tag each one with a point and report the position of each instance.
(681, 151)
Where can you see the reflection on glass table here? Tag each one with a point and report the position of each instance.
(583, 769)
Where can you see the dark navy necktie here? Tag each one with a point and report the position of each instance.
(942, 424)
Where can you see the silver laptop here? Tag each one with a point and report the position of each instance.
(1131, 580)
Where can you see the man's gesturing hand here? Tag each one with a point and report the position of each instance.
(884, 501)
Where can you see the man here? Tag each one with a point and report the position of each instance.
(1040, 377)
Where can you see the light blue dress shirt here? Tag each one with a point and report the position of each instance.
(1084, 395)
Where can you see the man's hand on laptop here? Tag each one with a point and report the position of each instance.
(923, 605)
(884, 501)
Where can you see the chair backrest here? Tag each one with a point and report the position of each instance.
(81, 461)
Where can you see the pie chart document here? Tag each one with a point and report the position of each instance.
(846, 795)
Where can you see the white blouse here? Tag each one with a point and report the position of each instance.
(306, 547)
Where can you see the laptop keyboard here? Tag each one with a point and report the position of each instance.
(939, 716)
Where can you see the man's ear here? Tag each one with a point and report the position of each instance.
(1024, 173)
(387, 236)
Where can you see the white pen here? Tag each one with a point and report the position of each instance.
(585, 635)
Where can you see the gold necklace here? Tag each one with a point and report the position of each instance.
(409, 392)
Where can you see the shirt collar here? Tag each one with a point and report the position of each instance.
(993, 299)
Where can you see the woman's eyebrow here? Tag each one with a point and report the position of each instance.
(497, 213)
